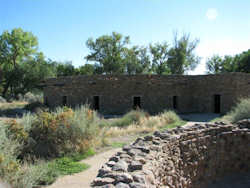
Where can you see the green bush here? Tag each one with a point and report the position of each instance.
(47, 135)
(132, 117)
(54, 134)
(19, 175)
(240, 111)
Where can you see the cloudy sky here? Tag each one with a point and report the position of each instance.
(63, 26)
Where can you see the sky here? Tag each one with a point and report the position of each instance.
(63, 26)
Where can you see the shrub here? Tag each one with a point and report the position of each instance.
(53, 134)
(240, 111)
(31, 98)
(169, 117)
(132, 117)
(9, 149)
(34, 175)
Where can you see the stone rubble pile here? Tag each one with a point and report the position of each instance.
(184, 157)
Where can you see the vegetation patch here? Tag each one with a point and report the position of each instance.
(118, 144)
(67, 166)
(39, 147)
(239, 112)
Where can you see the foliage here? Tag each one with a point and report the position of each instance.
(169, 117)
(65, 69)
(132, 117)
(46, 135)
(146, 124)
(67, 166)
(108, 51)
(160, 56)
(237, 63)
(137, 60)
(240, 111)
(22, 67)
(63, 131)
(80, 156)
(181, 56)
(118, 144)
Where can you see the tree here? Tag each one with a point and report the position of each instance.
(87, 69)
(15, 47)
(243, 61)
(137, 60)
(65, 69)
(160, 56)
(214, 64)
(237, 63)
(181, 56)
(108, 51)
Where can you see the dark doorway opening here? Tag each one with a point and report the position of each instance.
(137, 103)
(175, 103)
(217, 101)
(96, 103)
(64, 100)
(46, 101)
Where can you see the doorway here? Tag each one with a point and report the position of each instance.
(64, 100)
(137, 103)
(96, 103)
(217, 104)
(175, 98)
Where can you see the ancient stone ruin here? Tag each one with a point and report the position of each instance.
(118, 94)
(184, 157)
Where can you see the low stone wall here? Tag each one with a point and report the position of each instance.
(184, 157)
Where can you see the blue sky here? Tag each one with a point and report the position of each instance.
(63, 26)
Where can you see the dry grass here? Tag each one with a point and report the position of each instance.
(12, 105)
(145, 125)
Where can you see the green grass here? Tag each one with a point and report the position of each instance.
(118, 144)
(80, 156)
(70, 164)
(67, 166)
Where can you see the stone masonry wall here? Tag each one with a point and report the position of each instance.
(184, 157)
(194, 93)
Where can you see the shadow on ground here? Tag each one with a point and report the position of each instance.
(199, 117)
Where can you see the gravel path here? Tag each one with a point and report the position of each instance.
(83, 179)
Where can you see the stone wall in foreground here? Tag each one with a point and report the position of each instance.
(184, 157)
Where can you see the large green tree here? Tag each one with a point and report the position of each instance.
(22, 67)
(182, 55)
(109, 52)
(15, 47)
(237, 63)
(137, 60)
(160, 54)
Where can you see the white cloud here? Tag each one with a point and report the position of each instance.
(211, 14)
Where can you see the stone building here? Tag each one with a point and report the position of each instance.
(118, 94)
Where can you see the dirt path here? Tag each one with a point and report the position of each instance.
(83, 179)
